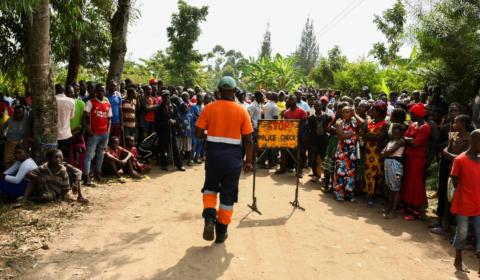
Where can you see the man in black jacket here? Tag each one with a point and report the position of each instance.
(166, 123)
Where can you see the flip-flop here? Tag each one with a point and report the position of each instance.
(370, 204)
(439, 230)
(340, 200)
(353, 200)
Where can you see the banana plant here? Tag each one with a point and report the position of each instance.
(410, 63)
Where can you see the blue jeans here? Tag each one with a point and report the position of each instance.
(147, 128)
(129, 131)
(96, 146)
(462, 231)
(197, 146)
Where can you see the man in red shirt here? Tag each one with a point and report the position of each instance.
(466, 201)
(293, 113)
(100, 112)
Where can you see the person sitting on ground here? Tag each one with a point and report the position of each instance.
(12, 181)
(137, 166)
(117, 158)
(393, 154)
(51, 180)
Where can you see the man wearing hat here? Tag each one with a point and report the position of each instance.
(325, 109)
(167, 120)
(241, 95)
(366, 93)
(227, 123)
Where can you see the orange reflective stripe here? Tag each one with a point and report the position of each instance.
(209, 201)
(224, 216)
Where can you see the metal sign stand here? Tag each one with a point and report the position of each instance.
(254, 203)
(295, 203)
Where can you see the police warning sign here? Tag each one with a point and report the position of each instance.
(277, 134)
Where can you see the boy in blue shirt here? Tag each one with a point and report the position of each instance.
(196, 110)
(185, 132)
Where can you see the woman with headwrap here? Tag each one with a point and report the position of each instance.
(13, 186)
(374, 136)
(15, 130)
(362, 110)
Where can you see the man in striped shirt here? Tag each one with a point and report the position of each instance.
(129, 108)
(227, 124)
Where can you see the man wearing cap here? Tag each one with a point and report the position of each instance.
(167, 120)
(324, 101)
(366, 93)
(240, 94)
(227, 124)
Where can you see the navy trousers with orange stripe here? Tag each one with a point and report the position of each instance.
(225, 182)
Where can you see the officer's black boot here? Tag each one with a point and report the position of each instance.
(221, 237)
(209, 230)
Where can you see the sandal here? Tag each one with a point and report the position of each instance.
(280, 171)
(340, 200)
(414, 216)
(353, 200)
(438, 230)
(370, 204)
(314, 179)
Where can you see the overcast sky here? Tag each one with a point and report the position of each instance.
(240, 25)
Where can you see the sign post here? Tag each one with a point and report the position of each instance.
(277, 134)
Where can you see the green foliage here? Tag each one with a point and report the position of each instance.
(308, 50)
(278, 73)
(448, 38)
(97, 75)
(182, 34)
(402, 79)
(391, 24)
(327, 66)
(63, 28)
(357, 75)
(266, 48)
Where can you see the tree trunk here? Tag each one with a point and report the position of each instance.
(74, 61)
(118, 50)
(44, 103)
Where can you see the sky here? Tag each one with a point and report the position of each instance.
(240, 25)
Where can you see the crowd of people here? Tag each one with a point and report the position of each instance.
(360, 147)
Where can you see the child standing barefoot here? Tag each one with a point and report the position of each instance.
(465, 174)
(185, 132)
(394, 169)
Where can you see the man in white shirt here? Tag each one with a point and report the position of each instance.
(66, 112)
(270, 112)
(241, 95)
(255, 112)
(300, 103)
(325, 109)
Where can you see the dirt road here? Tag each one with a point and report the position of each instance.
(327, 241)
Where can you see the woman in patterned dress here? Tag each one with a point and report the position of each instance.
(377, 129)
(346, 155)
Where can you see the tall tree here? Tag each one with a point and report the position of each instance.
(119, 31)
(45, 127)
(182, 34)
(74, 60)
(323, 74)
(308, 50)
(266, 48)
(391, 24)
